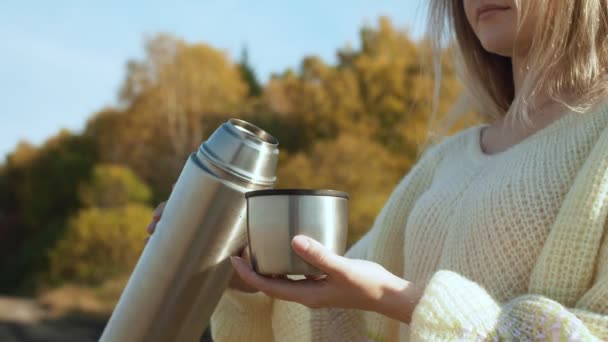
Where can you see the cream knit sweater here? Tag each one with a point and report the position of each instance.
(508, 246)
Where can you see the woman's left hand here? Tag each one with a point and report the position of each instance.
(350, 283)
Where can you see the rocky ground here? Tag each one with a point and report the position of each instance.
(25, 320)
(29, 320)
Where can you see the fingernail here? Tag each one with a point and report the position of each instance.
(301, 241)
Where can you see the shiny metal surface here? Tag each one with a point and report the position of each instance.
(184, 268)
(244, 150)
(272, 221)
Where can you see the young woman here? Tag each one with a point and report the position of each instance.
(499, 232)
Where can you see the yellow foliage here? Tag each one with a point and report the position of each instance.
(177, 95)
(113, 186)
(363, 168)
(100, 243)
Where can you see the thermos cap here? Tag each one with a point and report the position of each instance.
(244, 150)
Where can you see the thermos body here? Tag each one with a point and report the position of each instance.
(185, 267)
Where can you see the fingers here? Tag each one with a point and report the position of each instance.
(307, 292)
(158, 212)
(237, 283)
(151, 227)
(245, 254)
(319, 256)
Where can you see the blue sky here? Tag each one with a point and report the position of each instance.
(61, 61)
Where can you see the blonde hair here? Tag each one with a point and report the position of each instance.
(567, 59)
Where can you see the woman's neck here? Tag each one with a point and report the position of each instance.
(544, 107)
(542, 103)
(504, 133)
(519, 72)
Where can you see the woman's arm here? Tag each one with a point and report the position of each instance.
(450, 308)
(454, 308)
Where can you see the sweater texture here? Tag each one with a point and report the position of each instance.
(510, 246)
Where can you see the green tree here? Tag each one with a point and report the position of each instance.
(248, 74)
(108, 130)
(42, 185)
(113, 186)
(46, 181)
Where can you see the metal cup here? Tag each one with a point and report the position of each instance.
(274, 217)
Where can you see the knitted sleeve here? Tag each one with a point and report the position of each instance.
(568, 291)
(454, 308)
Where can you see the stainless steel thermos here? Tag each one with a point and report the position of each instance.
(185, 267)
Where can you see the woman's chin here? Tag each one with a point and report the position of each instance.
(498, 48)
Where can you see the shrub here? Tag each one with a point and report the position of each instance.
(113, 186)
(99, 243)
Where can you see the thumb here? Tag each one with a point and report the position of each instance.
(318, 255)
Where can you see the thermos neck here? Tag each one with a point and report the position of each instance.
(224, 176)
(242, 150)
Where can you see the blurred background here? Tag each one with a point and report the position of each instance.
(103, 101)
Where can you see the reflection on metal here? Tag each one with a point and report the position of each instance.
(184, 267)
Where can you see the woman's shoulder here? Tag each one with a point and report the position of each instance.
(581, 130)
(592, 128)
(598, 117)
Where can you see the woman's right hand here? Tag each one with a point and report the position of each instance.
(236, 282)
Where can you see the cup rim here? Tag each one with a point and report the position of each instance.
(297, 192)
